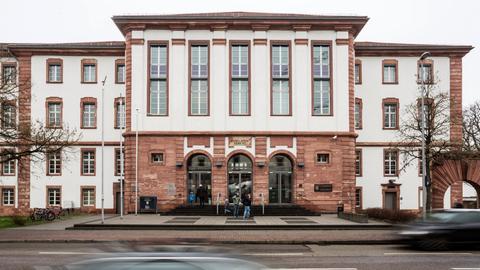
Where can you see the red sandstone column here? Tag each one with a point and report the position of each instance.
(260, 176)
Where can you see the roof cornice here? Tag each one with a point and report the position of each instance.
(110, 48)
(414, 50)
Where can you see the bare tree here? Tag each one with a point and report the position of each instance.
(437, 130)
(471, 128)
(19, 139)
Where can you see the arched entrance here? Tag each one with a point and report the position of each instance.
(199, 173)
(468, 197)
(280, 180)
(239, 176)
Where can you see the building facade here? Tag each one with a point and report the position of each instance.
(286, 108)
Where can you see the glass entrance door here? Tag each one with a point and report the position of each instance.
(239, 176)
(280, 180)
(199, 179)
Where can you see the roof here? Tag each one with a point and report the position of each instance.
(368, 48)
(76, 48)
(240, 20)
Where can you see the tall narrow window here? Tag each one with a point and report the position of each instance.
(120, 114)
(8, 196)
(358, 113)
(89, 71)
(118, 162)
(54, 163)
(425, 71)
(88, 196)
(9, 115)
(54, 70)
(8, 166)
(390, 163)
(358, 162)
(321, 75)
(199, 79)
(358, 198)
(119, 71)
(89, 112)
(9, 73)
(281, 98)
(54, 112)
(158, 92)
(390, 71)
(54, 196)
(358, 71)
(88, 161)
(390, 113)
(240, 92)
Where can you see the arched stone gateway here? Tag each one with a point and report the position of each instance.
(453, 173)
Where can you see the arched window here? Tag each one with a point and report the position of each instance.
(199, 179)
(280, 180)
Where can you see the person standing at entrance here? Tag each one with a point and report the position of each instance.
(236, 205)
(201, 192)
(247, 202)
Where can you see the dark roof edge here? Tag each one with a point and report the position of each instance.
(77, 45)
(365, 48)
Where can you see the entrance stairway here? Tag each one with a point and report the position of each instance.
(256, 210)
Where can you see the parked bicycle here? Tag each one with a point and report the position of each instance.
(47, 214)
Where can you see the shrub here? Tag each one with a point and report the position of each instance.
(398, 216)
(19, 220)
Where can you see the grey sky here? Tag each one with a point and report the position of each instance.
(410, 21)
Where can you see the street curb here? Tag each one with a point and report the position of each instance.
(225, 227)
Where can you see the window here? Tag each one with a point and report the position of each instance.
(321, 74)
(157, 158)
(120, 120)
(390, 164)
(425, 71)
(358, 113)
(54, 70)
(240, 90)
(199, 80)
(9, 73)
(158, 92)
(358, 71)
(89, 113)
(390, 71)
(54, 112)
(54, 163)
(8, 196)
(9, 115)
(280, 95)
(89, 71)
(358, 162)
(54, 196)
(88, 161)
(358, 198)
(420, 163)
(8, 166)
(119, 71)
(118, 162)
(323, 158)
(88, 196)
(429, 114)
(390, 113)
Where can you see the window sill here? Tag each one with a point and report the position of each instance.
(89, 82)
(156, 115)
(88, 127)
(59, 82)
(391, 83)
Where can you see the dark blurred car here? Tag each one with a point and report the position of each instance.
(444, 229)
(171, 261)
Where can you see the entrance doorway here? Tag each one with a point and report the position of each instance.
(391, 200)
(239, 176)
(280, 180)
(199, 179)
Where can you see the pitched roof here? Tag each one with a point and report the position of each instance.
(75, 48)
(369, 48)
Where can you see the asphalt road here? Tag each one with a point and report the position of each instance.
(43, 256)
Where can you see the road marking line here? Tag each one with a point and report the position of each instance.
(426, 253)
(465, 268)
(277, 254)
(67, 253)
(313, 268)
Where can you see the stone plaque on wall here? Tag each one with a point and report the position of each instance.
(240, 141)
(171, 189)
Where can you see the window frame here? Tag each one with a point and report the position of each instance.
(84, 188)
(2, 189)
(116, 104)
(53, 100)
(4, 65)
(329, 158)
(88, 101)
(358, 63)
(385, 152)
(391, 101)
(231, 78)
(48, 163)
(432, 72)
(2, 165)
(360, 162)
(82, 151)
(328, 43)
(10, 103)
(50, 62)
(59, 188)
(191, 44)
(165, 43)
(290, 91)
(117, 161)
(86, 62)
(154, 152)
(120, 62)
(360, 205)
(390, 62)
(359, 102)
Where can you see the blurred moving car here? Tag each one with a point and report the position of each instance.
(171, 261)
(444, 229)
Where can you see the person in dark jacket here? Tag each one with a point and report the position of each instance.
(201, 194)
(247, 202)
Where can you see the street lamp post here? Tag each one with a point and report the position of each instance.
(424, 163)
(120, 126)
(136, 162)
(103, 146)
